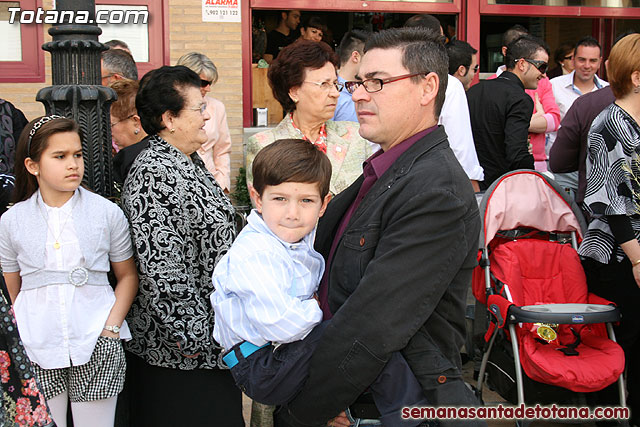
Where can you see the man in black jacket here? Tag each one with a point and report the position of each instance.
(400, 242)
(501, 111)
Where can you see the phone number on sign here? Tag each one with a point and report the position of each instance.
(216, 12)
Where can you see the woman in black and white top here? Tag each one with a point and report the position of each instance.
(182, 224)
(610, 250)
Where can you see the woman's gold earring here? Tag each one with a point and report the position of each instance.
(172, 130)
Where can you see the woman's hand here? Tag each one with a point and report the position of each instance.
(636, 274)
(538, 123)
(538, 104)
(631, 249)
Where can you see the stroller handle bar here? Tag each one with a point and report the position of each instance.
(565, 314)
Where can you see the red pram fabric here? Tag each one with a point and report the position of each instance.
(543, 272)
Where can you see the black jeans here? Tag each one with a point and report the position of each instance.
(615, 282)
(274, 377)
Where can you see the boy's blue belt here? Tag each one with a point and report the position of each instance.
(245, 348)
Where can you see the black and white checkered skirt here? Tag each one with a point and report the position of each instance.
(100, 378)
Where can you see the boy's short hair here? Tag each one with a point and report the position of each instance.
(291, 160)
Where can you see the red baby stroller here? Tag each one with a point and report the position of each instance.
(532, 282)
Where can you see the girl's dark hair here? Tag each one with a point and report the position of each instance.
(27, 184)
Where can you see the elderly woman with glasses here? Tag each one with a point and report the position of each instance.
(611, 250)
(181, 225)
(303, 79)
(126, 129)
(127, 134)
(216, 152)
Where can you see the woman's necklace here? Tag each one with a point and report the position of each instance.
(320, 143)
(56, 243)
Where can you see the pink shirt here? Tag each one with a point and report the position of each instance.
(216, 151)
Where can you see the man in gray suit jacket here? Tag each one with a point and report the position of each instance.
(399, 243)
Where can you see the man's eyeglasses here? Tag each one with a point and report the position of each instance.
(476, 68)
(122, 120)
(205, 83)
(107, 76)
(540, 65)
(375, 85)
(201, 108)
(326, 86)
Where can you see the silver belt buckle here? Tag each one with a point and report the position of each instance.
(78, 276)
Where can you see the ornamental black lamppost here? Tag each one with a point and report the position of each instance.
(77, 93)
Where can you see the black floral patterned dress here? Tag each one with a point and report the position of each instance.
(181, 224)
(23, 404)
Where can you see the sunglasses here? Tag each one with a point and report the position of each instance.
(567, 57)
(540, 65)
(205, 83)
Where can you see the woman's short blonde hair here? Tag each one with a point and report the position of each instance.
(623, 61)
(200, 64)
(125, 105)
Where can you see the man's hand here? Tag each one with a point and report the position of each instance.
(339, 421)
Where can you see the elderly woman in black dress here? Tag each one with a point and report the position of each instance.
(182, 224)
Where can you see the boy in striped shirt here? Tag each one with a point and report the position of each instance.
(267, 316)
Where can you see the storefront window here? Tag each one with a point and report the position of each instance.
(419, 1)
(555, 31)
(136, 35)
(587, 3)
(21, 59)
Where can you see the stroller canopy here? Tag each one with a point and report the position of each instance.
(526, 198)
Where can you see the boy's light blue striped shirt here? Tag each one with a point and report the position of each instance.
(264, 288)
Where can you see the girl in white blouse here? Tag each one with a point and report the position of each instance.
(56, 245)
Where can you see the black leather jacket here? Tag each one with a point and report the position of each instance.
(398, 281)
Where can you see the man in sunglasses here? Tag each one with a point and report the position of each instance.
(546, 114)
(501, 110)
(399, 243)
(463, 61)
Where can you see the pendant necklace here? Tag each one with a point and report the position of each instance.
(56, 243)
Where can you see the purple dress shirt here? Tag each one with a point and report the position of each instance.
(374, 167)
